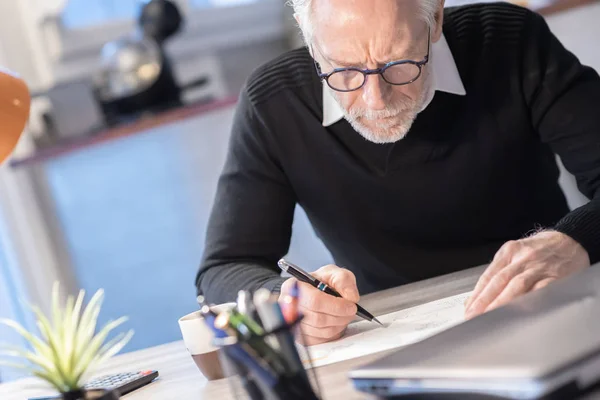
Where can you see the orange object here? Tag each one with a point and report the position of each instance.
(290, 309)
(14, 111)
(290, 305)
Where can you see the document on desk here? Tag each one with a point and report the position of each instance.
(402, 328)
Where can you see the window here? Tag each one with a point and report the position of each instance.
(219, 3)
(84, 26)
(82, 13)
(85, 13)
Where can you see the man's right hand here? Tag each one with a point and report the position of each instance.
(326, 316)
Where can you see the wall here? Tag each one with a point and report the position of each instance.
(134, 212)
(20, 44)
(579, 31)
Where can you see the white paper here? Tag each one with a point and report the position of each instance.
(402, 328)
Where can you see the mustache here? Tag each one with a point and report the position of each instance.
(390, 111)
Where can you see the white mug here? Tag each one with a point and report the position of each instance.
(198, 339)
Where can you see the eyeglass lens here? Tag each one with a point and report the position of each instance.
(397, 74)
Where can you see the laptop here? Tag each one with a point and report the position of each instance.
(545, 344)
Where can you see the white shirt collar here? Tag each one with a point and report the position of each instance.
(443, 71)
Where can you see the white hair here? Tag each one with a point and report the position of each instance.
(303, 9)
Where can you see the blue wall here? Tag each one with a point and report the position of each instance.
(134, 214)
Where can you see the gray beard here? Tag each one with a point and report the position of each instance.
(389, 134)
(384, 134)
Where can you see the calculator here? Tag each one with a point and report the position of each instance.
(122, 383)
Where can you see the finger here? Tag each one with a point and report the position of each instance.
(341, 279)
(322, 333)
(495, 286)
(543, 283)
(313, 299)
(518, 286)
(501, 259)
(320, 320)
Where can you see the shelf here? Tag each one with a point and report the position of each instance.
(138, 127)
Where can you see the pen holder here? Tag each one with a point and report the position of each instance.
(260, 373)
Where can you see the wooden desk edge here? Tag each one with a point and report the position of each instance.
(333, 378)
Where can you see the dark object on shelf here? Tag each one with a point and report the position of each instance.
(160, 19)
(136, 76)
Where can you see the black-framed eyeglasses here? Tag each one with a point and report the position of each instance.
(402, 72)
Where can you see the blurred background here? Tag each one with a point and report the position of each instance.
(112, 183)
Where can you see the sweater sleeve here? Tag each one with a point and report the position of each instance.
(250, 225)
(564, 100)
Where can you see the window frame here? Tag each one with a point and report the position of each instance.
(205, 26)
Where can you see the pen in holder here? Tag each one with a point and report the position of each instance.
(269, 366)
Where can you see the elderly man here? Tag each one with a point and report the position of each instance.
(420, 141)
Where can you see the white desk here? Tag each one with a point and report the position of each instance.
(181, 380)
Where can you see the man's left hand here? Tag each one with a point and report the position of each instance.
(524, 265)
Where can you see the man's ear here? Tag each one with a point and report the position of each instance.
(437, 30)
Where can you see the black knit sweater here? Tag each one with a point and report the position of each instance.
(474, 171)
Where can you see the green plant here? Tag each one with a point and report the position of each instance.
(69, 349)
